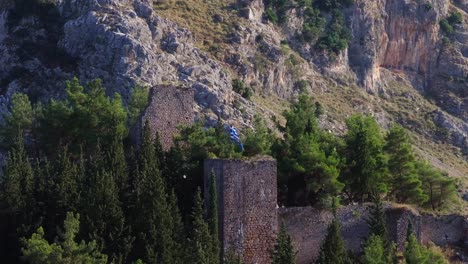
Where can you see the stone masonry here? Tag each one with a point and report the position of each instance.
(308, 227)
(169, 107)
(247, 206)
(249, 217)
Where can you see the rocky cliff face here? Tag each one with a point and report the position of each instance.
(396, 54)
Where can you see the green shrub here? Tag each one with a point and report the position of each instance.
(239, 87)
(314, 24)
(445, 26)
(337, 36)
(455, 18)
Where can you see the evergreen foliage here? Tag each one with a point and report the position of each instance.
(419, 254)
(307, 156)
(37, 250)
(337, 36)
(212, 216)
(19, 121)
(258, 141)
(200, 241)
(366, 171)
(378, 247)
(404, 183)
(136, 202)
(283, 252)
(332, 250)
(439, 188)
(374, 251)
(239, 87)
(377, 220)
(154, 235)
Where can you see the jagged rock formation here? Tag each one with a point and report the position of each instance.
(396, 53)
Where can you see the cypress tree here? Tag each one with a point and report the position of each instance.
(104, 219)
(378, 228)
(377, 220)
(200, 241)
(17, 193)
(153, 232)
(333, 250)
(283, 252)
(213, 218)
(17, 182)
(117, 165)
(178, 233)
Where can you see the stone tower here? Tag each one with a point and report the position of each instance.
(169, 107)
(247, 206)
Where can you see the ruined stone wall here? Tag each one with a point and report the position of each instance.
(308, 227)
(443, 230)
(169, 107)
(398, 221)
(247, 206)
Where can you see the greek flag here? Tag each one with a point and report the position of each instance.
(235, 137)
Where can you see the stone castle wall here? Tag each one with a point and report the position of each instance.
(308, 227)
(247, 206)
(444, 230)
(249, 217)
(169, 107)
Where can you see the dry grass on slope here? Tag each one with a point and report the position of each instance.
(198, 16)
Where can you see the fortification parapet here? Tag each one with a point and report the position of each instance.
(247, 206)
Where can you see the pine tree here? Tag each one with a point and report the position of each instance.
(200, 241)
(333, 250)
(404, 184)
(438, 187)
(212, 217)
(307, 158)
(258, 141)
(283, 252)
(365, 160)
(37, 250)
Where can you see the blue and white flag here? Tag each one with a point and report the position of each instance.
(235, 137)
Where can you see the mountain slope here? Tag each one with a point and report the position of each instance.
(399, 65)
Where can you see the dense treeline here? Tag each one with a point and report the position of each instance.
(365, 165)
(74, 189)
(69, 165)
